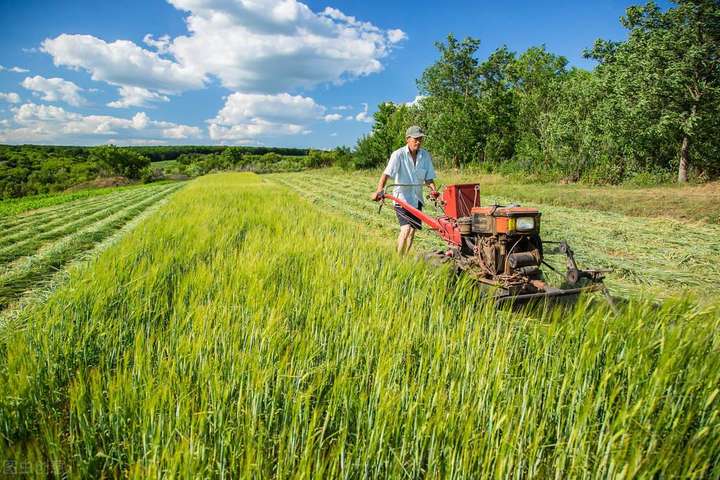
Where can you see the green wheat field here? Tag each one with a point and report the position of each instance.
(240, 326)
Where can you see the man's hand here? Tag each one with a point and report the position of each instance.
(434, 194)
(377, 196)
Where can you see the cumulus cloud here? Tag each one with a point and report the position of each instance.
(364, 116)
(14, 69)
(136, 97)
(277, 45)
(54, 90)
(342, 107)
(259, 46)
(44, 123)
(122, 63)
(332, 117)
(10, 97)
(249, 115)
(181, 131)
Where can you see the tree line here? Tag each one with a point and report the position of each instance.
(649, 112)
(36, 169)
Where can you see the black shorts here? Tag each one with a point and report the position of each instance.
(406, 218)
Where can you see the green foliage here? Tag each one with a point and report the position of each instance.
(119, 161)
(650, 107)
(662, 87)
(40, 170)
(450, 109)
(32, 170)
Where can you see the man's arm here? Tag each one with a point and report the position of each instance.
(431, 180)
(389, 172)
(433, 190)
(380, 187)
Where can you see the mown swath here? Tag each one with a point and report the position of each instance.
(47, 228)
(17, 278)
(18, 223)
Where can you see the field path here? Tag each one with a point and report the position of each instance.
(656, 257)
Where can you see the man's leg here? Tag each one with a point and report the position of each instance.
(409, 241)
(406, 231)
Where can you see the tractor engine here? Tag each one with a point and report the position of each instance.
(496, 241)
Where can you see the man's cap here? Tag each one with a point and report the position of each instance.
(414, 132)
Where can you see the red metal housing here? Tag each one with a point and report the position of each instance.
(460, 199)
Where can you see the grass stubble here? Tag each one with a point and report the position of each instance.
(238, 333)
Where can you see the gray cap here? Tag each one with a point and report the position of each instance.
(414, 132)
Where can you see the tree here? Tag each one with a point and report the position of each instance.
(498, 105)
(537, 77)
(119, 161)
(451, 109)
(665, 82)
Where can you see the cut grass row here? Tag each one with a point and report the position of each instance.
(29, 272)
(238, 333)
(15, 206)
(17, 222)
(47, 226)
(654, 257)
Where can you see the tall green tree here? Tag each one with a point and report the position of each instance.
(663, 84)
(119, 161)
(538, 77)
(451, 109)
(498, 105)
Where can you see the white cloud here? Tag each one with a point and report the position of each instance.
(10, 97)
(342, 107)
(161, 44)
(14, 69)
(54, 90)
(121, 63)
(276, 45)
(364, 116)
(47, 123)
(181, 131)
(332, 117)
(259, 46)
(334, 134)
(396, 35)
(248, 116)
(136, 97)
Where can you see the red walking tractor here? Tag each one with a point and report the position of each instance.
(500, 246)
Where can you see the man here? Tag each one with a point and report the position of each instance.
(411, 166)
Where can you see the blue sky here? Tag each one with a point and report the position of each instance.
(251, 72)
